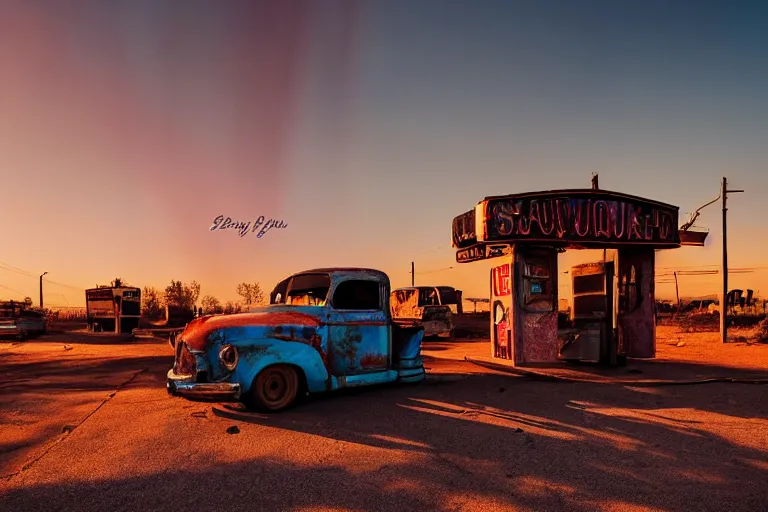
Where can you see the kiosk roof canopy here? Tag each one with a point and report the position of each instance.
(577, 218)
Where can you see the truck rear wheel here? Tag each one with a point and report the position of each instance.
(275, 388)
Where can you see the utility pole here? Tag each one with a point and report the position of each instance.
(677, 293)
(413, 275)
(723, 305)
(41, 289)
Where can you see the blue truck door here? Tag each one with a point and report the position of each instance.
(359, 329)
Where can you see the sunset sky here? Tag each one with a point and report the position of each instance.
(126, 127)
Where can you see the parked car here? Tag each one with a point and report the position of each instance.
(425, 306)
(324, 330)
(23, 324)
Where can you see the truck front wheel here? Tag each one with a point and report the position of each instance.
(275, 388)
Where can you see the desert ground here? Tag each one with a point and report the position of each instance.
(87, 424)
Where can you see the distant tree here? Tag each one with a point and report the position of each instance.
(180, 295)
(210, 304)
(28, 301)
(151, 302)
(232, 307)
(251, 293)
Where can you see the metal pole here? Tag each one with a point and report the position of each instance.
(677, 293)
(413, 275)
(41, 289)
(724, 270)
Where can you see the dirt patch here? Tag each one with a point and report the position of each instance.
(710, 322)
(65, 326)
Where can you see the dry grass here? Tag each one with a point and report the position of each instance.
(66, 315)
(741, 351)
(761, 334)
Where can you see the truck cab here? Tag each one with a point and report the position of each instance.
(324, 329)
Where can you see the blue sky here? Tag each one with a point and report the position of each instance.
(366, 127)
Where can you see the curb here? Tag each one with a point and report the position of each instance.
(547, 377)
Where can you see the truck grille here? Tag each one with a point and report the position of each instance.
(185, 362)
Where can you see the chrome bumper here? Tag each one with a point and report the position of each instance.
(9, 330)
(437, 328)
(184, 385)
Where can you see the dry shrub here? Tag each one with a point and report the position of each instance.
(699, 322)
(762, 331)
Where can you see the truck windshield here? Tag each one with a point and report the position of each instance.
(428, 297)
(447, 295)
(308, 290)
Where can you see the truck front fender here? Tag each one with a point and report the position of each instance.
(253, 358)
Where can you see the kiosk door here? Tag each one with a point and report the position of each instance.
(501, 310)
(535, 305)
(523, 311)
(637, 316)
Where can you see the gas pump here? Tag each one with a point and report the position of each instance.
(592, 335)
(613, 315)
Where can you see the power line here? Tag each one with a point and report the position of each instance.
(426, 251)
(60, 295)
(13, 290)
(17, 270)
(433, 271)
(78, 288)
(707, 267)
(746, 270)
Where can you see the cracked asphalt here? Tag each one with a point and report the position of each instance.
(86, 424)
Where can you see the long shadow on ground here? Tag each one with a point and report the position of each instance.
(506, 441)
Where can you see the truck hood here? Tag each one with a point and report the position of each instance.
(280, 322)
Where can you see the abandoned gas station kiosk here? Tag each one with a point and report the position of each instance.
(613, 314)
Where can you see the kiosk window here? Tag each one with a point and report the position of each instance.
(537, 282)
(501, 280)
(629, 293)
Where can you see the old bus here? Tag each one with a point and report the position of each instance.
(113, 309)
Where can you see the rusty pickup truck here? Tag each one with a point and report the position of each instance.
(324, 330)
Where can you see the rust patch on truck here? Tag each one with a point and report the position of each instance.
(371, 361)
(199, 329)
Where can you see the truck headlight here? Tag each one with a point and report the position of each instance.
(228, 357)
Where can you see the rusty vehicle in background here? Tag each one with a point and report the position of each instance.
(115, 309)
(172, 324)
(324, 330)
(429, 306)
(21, 322)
